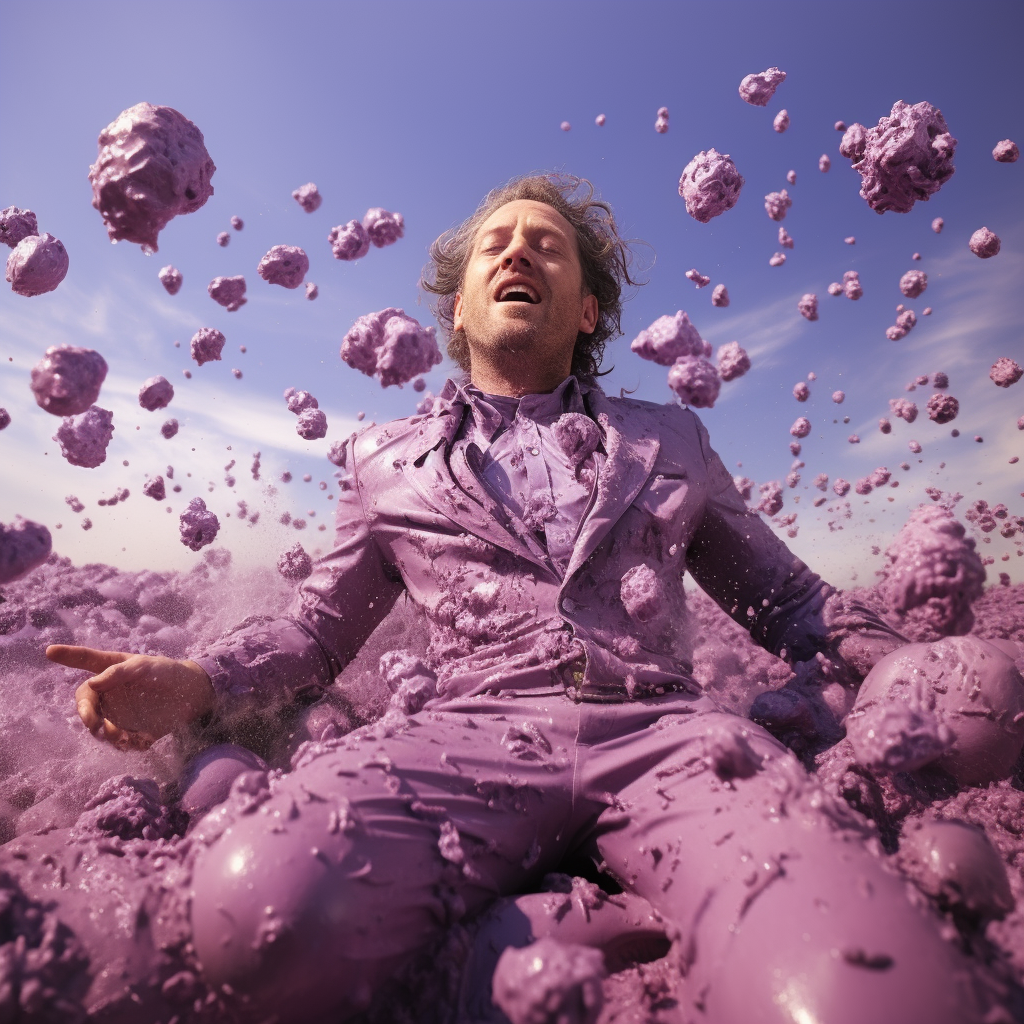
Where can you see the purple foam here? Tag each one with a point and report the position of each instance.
(758, 89)
(984, 244)
(710, 185)
(808, 306)
(67, 380)
(206, 345)
(285, 265)
(83, 439)
(170, 278)
(228, 292)
(197, 525)
(37, 264)
(733, 360)
(308, 197)
(383, 228)
(349, 241)
(668, 339)
(17, 224)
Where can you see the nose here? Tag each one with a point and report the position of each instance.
(518, 259)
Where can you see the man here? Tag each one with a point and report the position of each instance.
(544, 529)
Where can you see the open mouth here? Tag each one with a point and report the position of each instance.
(519, 292)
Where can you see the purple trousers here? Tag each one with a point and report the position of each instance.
(355, 861)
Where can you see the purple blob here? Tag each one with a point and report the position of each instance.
(206, 345)
(710, 185)
(839, 397)
(940, 380)
(237, 223)
(391, 346)
(771, 498)
(308, 197)
(349, 241)
(300, 401)
(781, 122)
(733, 360)
(695, 380)
(642, 593)
(383, 228)
(791, 177)
(668, 339)
(835, 288)
(785, 239)
(154, 488)
(720, 296)
(1005, 371)
(841, 486)
(1006, 152)
(37, 265)
(223, 238)
(170, 278)
(152, 165)
(156, 393)
(83, 439)
(17, 224)
(852, 288)
(824, 163)
(198, 526)
(758, 89)
(67, 380)
(897, 737)
(228, 292)
(801, 392)
(903, 408)
(937, 225)
(285, 265)
(23, 546)
(808, 306)
(913, 283)
(578, 436)
(5, 418)
(942, 408)
(905, 322)
(295, 564)
(311, 291)
(984, 244)
(801, 427)
(312, 424)
(697, 278)
(169, 428)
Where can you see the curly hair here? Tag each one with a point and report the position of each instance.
(605, 259)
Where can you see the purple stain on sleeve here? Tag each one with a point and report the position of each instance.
(1005, 371)
(67, 380)
(308, 197)
(36, 265)
(312, 424)
(913, 283)
(169, 428)
(710, 185)
(170, 278)
(733, 360)
(206, 345)
(984, 244)
(668, 339)
(197, 525)
(720, 296)
(23, 546)
(349, 241)
(383, 228)
(156, 393)
(154, 488)
(228, 292)
(83, 439)
(285, 265)
(17, 224)
(808, 306)
(1005, 152)
(295, 564)
(758, 89)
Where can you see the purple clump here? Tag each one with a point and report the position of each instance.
(785, 239)
(808, 306)
(777, 260)
(308, 197)
(285, 265)
(984, 244)
(801, 392)
(5, 418)
(206, 345)
(154, 488)
(908, 156)
(169, 428)
(1006, 152)
(349, 241)
(733, 360)
(781, 122)
(943, 408)
(17, 224)
(23, 546)
(839, 397)
(720, 296)
(1005, 371)
(697, 278)
(312, 424)
(549, 982)
(300, 401)
(904, 408)
(710, 185)
(940, 380)
(383, 228)
(152, 165)
(67, 380)
(228, 292)
(897, 737)
(642, 593)
(198, 526)
(223, 238)
(170, 278)
(128, 808)
(777, 203)
(937, 225)
(758, 89)
(670, 338)
(391, 346)
(771, 498)
(695, 380)
(578, 436)
(338, 453)
(824, 163)
(83, 439)
(237, 223)
(905, 322)
(311, 291)
(801, 427)
(841, 486)
(913, 283)
(295, 564)
(156, 393)
(852, 287)
(37, 264)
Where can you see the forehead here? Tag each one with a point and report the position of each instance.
(529, 214)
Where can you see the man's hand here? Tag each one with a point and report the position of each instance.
(131, 700)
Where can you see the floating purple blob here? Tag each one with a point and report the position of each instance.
(801, 427)
(549, 982)
(885, 426)
(791, 177)
(156, 393)
(24, 546)
(905, 322)
(824, 163)
(349, 241)
(391, 346)
(300, 401)
(169, 428)
(852, 287)
(771, 498)
(1006, 152)
(940, 380)
(600, 120)
(661, 123)
(720, 296)
(695, 380)
(312, 424)
(223, 239)
(197, 525)
(1005, 371)
(565, 126)
(669, 338)
(808, 306)
(781, 122)
(154, 488)
(338, 453)
(913, 283)
(697, 278)
(285, 265)
(937, 225)
(710, 185)
(295, 564)
(311, 291)
(903, 408)
(206, 345)
(382, 227)
(170, 278)
(758, 89)
(801, 392)
(83, 439)
(841, 486)
(152, 165)
(942, 408)
(237, 223)
(308, 197)
(5, 418)
(785, 239)
(37, 265)
(984, 243)
(67, 380)
(777, 259)
(839, 397)
(733, 360)
(840, 126)
(17, 224)
(228, 292)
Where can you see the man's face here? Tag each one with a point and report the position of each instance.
(522, 295)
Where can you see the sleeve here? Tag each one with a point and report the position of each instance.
(264, 664)
(751, 574)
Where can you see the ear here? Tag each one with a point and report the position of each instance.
(457, 312)
(588, 321)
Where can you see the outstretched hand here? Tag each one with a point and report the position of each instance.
(131, 700)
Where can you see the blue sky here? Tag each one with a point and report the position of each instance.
(422, 108)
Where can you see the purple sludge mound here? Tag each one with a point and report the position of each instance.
(152, 165)
(383, 228)
(197, 525)
(295, 564)
(170, 277)
(758, 89)
(17, 224)
(156, 393)
(349, 241)
(23, 546)
(710, 185)
(228, 292)
(285, 265)
(37, 265)
(308, 197)
(391, 346)
(206, 345)
(906, 157)
(1006, 152)
(983, 243)
(67, 380)
(1005, 371)
(83, 439)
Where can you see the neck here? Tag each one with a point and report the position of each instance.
(515, 375)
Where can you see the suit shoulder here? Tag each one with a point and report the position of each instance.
(408, 434)
(661, 415)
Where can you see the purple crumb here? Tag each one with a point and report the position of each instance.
(169, 428)
(801, 392)
(1005, 371)
(710, 185)
(937, 225)
(824, 163)
(349, 241)
(600, 120)
(695, 380)
(237, 223)
(84, 438)
(942, 408)
(223, 238)
(170, 278)
(758, 89)
(17, 224)
(67, 380)
(791, 177)
(884, 425)
(24, 546)
(915, 447)
(1006, 152)
(156, 393)
(565, 126)
(733, 360)
(669, 338)
(308, 197)
(840, 126)
(835, 288)
(801, 427)
(913, 283)
(382, 227)
(5, 418)
(285, 265)
(781, 122)
(841, 486)
(311, 291)
(720, 296)
(777, 260)
(697, 278)
(839, 397)
(984, 244)
(295, 564)
(206, 345)
(197, 525)
(808, 306)
(228, 292)
(154, 488)
(785, 239)
(312, 424)
(37, 264)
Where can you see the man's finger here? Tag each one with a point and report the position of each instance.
(110, 678)
(84, 657)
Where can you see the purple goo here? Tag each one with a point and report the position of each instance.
(642, 593)
(23, 547)
(197, 525)
(1005, 372)
(984, 244)
(156, 393)
(206, 345)
(577, 435)
(791, 177)
(170, 278)
(285, 265)
(295, 564)
(312, 424)
(758, 89)
(785, 239)
(349, 241)
(668, 339)
(308, 197)
(808, 306)
(1006, 152)
(83, 440)
(904, 408)
(937, 225)
(152, 165)
(776, 204)
(391, 346)
(733, 360)
(801, 427)
(908, 156)
(697, 278)
(169, 428)
(905, 321)
(565, 126)
(801, 392)
(781, 122)
(549, 982)
(897, 736)
(67, 380)
(383, 228)
(913, 283)
(228, 292)
(720, 296)
(17, 224)
(915, 447)
(37, 265)
(661, 123)
(710, 185)
(695, 381)
(154, 488)
(311, 291)
(942, 408)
